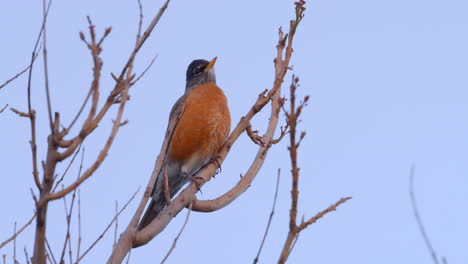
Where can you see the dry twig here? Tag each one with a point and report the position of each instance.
(269, 218)
(178, 235)
(3, 109)
(419, 221)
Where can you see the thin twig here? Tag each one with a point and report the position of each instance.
(14, 245)
(34, 56)
(140, 21)
(50, 252)
(79, 226)
(68, 214)
(107, 228)
(142, 40)
(418, 218)
(270, 218)
(146, 69)
(46, 67)
(31, 112)
(321, 214)
(68, 167)
(296, 238)
(116, 221)
(26, 255)
(3, 109)
(178, 235)
(81, 110)
(8, 240)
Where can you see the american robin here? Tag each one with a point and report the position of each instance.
(202, 129)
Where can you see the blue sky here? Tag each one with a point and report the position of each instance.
(388, 88)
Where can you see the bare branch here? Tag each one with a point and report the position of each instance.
(178, 235)
(8, 240)
(22, 114)
(322, 213)
(270, 218)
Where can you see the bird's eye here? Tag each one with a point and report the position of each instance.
(197, 70)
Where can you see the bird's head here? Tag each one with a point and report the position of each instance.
(200, 72)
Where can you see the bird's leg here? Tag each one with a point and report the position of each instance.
(215, 158)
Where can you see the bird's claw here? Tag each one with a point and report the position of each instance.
(197, 180)
(216, 160)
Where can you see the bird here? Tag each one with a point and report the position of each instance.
(202, 129)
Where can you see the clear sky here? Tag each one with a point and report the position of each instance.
(388, 88)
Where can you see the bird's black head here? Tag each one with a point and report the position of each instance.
(200, 72)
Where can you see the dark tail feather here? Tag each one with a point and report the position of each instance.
(151, 212)
(154, 208)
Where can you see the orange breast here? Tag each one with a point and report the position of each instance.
(204, 125)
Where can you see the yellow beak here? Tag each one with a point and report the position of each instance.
(210, 64)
